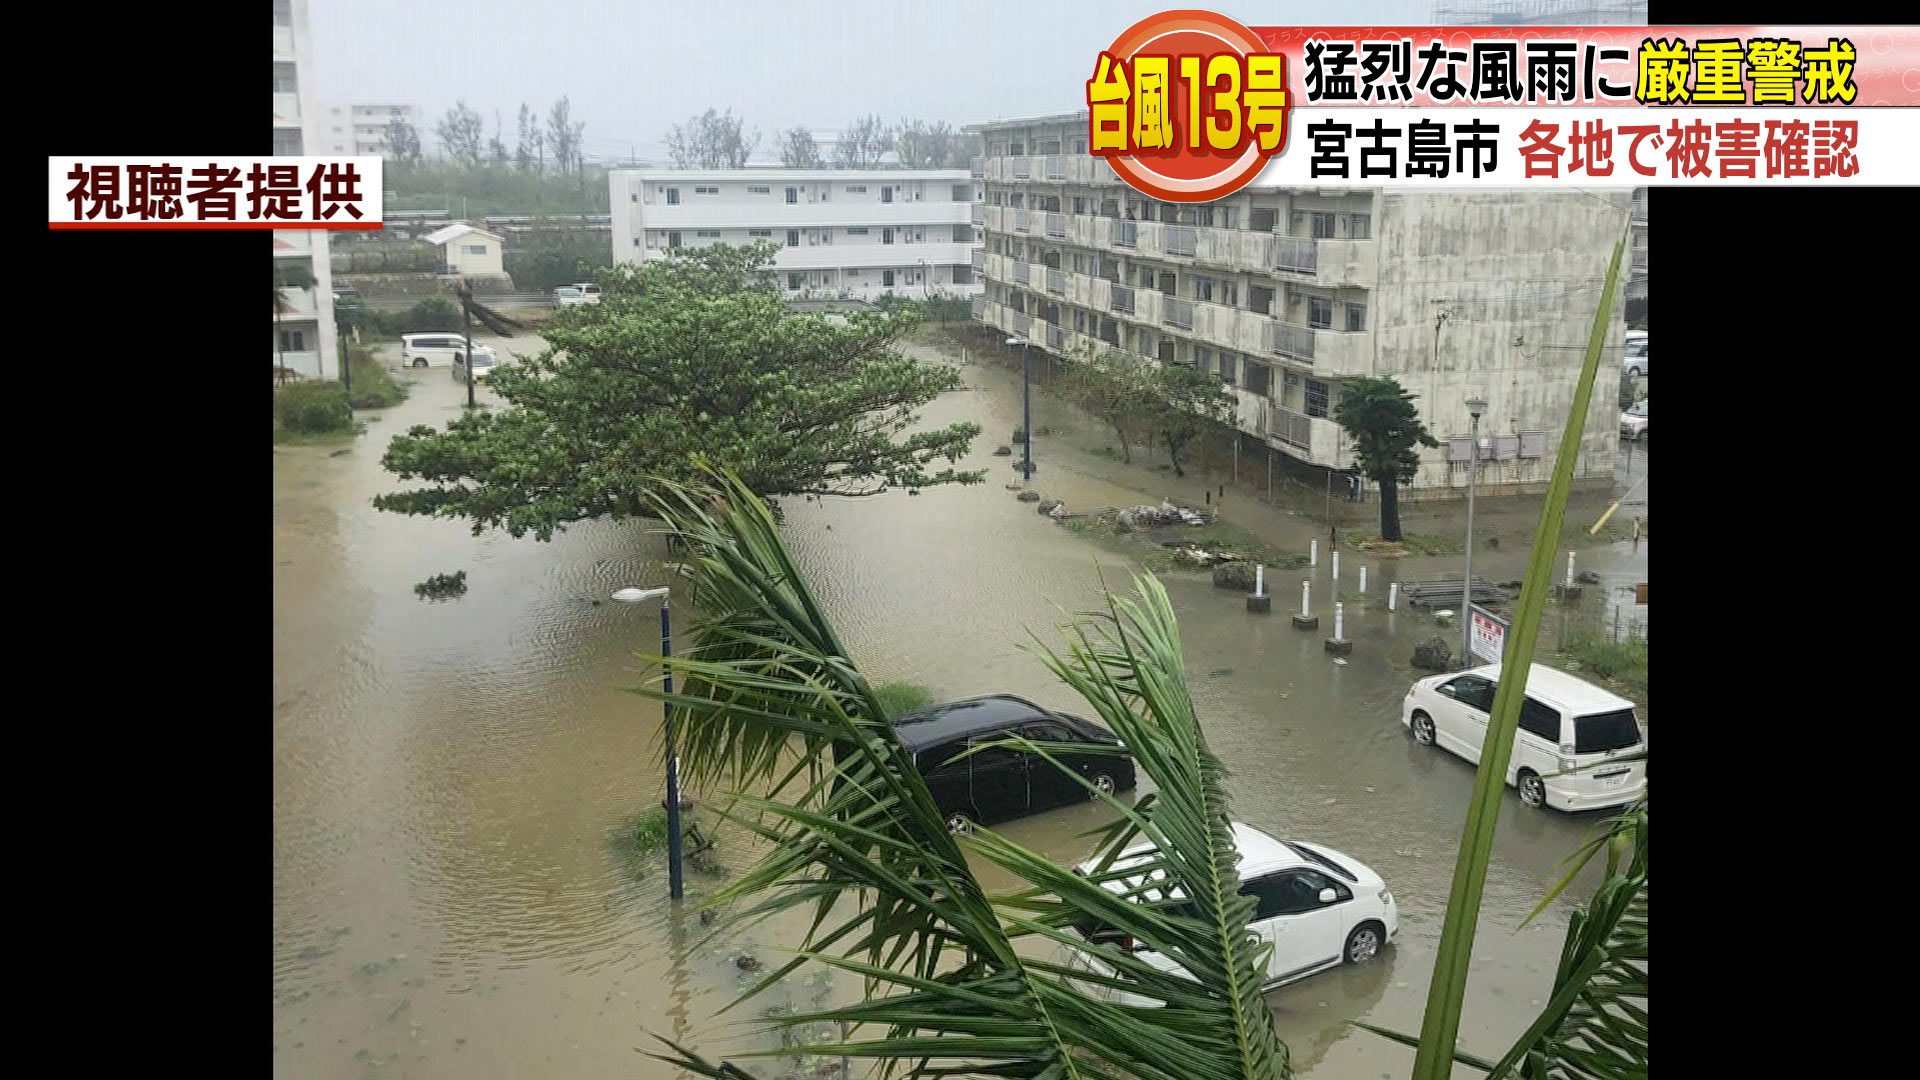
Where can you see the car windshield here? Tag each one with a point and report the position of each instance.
(1639, 409)
(1602, 732)
(1306, 852)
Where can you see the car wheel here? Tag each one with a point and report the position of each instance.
(419, 361)
(1642, 437)
(959, 822)
(1103, 784)
(1533, 790)
(1364, 943)
(1422, 729)
(1633, 372)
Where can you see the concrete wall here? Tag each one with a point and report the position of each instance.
(1519, 274)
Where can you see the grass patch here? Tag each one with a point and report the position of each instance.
(373, 386)
(1621, 662)
(1408, 544)
(650, 832)
(902, 697)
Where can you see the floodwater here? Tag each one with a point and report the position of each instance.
(452, 778)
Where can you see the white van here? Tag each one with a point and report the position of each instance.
(432, 350)
(1565, 724)
(482, 363)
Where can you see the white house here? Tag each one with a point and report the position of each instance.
(303, 330)
(842, 233)
(469, 251)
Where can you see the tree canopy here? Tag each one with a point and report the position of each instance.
(1380, 417)
(712, 140)
(691, 355)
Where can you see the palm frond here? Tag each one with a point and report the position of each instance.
(860, 848)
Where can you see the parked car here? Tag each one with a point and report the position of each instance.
(482, 362)
(575, 295)
(1319, 908)
(1633, 421)
(1635, 362)
(1566, 724)
(1002, 783)
(432, 350)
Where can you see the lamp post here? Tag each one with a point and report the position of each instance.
(1475, 406)
(640, 596)
(1026, 403)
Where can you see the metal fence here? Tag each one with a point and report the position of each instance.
(1295, 253)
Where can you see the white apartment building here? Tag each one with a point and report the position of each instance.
(356, 129)
(855, 234)
(303, 329)
(1287, 293)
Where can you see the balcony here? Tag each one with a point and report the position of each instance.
(1124, 234)
(1023, 273)
(1022, 221)
(980, 261)
(286, 110)
(979, 214)
(1056, 338)
(1057, 225)
(1056, 282)
(1313, 439)
(1020, 323)
(1056, 167)
(979, 307)
(1327, 261)
(773, 213)
(1022, 168)
(298, 304)
(1334, 353)
(1179, 240)
(1121, 300)
(978, 168)
(1176, 312)
(283, 43)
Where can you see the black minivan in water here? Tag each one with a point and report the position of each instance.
(1002, 783)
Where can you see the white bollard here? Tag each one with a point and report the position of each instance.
(1569, 569)
(1313, 553)
(1393, 594)
(1363, 581)
(1260, 580)
(1339, 622)
(1336, 566)
(1306, 598)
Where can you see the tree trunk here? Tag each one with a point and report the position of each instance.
(1173, 455)
(1126, 451)
(1389, 509)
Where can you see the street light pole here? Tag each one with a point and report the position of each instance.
(638, 596)
(1475, 406)
(1026, 403)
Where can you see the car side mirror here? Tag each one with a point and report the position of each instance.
(1327, 896)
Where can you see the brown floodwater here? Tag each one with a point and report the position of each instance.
(453, 778)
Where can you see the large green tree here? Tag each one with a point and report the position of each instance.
(1187, 402)
(693, 354)
(1380, 417)
(1120, 389)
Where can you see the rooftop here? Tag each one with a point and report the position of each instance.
(457, 230)
(1559, 689)
(1079, 117)
(756, 175)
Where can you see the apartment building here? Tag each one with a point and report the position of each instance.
(303, 330)
(347, 129)
(853, 234)
(1287, 293)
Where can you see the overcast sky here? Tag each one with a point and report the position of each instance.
(631, 68)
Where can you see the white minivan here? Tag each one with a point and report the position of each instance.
(1565, 724)
(482, 363)
(432, 350)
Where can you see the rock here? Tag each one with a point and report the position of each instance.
(1028, 496)
(1587, 577)
(1059, 511)
(1432, 654)
(1234, 575)
(1042, 432)
(1003, 451)
(1019, 435)
(747, 963)
(1047, 505)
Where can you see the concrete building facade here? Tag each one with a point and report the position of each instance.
(357, 129)
(304, 337)
(842, 233)
(1287, 294)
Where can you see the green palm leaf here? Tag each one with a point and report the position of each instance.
(859, 845)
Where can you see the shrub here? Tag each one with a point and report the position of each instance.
(902, 697)
(431, 314)
(373, 386)
(312, 408)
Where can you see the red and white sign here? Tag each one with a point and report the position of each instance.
(192, 192)
(1487, 637)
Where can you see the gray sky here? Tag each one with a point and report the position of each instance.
(631, 68)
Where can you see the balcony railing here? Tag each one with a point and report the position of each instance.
(979, 307)
(1290, 427)
(1022, 221)
(978, 167)
(1056, 167)
(1056, 225)
(1022, 323)
(1295, 253)
(979, 214)
(1179, 239)
(1288, 339)
(1022, 168)
(1023, 273)
(1122, 300)
(980, 261)
(1125, 233)
(1056, 282)
(1056, 337)
(1176, 312)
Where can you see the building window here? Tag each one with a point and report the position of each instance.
(706, 234)
(1259, 378)
(473, 249)
(1202, 358)
(1356, 316)
(286, 143)
(858, 230)
(635, 197)
(293, 340)
(1316, 398)
(284, 80)
(1079, 204)
(706, 189)
(759, 189)
(766, 233)
(886, 278)
(636, 241)
(283, 12)
(793, 235)
(856, 189)
(1359, 227)
(1322, 225)
(796, 281)
(673, 196)
(1229, 368)
(1319, 313)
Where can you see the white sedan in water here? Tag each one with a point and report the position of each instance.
(1319, 908)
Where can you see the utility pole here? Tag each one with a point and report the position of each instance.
(466, 318)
